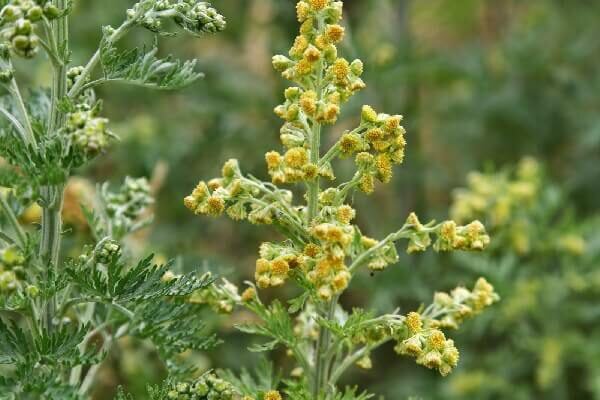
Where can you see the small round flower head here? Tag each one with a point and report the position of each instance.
(168, 276)
(345, 214)
(334, 33)
(281, 63)
(367, 184)
(330, 114)
(312, 250)
(318, 4)
(312, 54)
(340, 70)
(365, 362)
(215, 206)
(231, 168)
(350, 143)
(88, 133)
(384, 168)
(308, 102)
(414, 323)
(436, 340)
(368, 114)
(107, 251)
(299, 46)
(296, 157)
(272, 395)
(357, 67)
(432, 359)
(410, 347)
(273, 159)
(248, 295)
(302, 11)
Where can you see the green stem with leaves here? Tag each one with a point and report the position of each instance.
(52, 196)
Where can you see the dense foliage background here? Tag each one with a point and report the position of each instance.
(481, 84)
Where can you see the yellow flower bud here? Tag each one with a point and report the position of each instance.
(436, 340)
(368, 114)
(414, 322)
(215, 206)
(334, 33)
(296, 157)
(318, 5)
(350, 143)
(304, 67)
(345, 214)
(300, 45)
(312, 54)
(308, 102)
(384, 168)
(272, 395)
(302, 11)
(340, 70)
(367, 184)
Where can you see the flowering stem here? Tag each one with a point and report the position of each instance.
(403, 233)
(351, 359)
(114, 37)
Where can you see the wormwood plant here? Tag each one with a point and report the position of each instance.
(544, 262)
(59, 317)
(322, 249)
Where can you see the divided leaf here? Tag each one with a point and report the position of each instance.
(141, 67)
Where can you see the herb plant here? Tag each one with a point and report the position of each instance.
(321, 248)
(60, 316)
(544, 262)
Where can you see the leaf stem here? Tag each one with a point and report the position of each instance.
(13, 87)
(93, 62)
(14, 223)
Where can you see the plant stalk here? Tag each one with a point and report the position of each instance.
(53, 195)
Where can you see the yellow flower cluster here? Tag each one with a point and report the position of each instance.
(325, 265)
(314, 51)
(428, 345)
(272, 395)
(450, 236)
(421, 336)
(274, 265)
(236, 196)
(462, 303)
(11, 266)
(380, 143)
(292, 167)
(321, 261)
(504, 199)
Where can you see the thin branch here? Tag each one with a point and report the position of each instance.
(14, 223)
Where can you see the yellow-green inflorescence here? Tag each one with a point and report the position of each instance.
(12, 264)
(18, 21)
(323, 247)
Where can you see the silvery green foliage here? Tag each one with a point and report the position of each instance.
(59, 316)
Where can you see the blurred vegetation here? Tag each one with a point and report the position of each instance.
(481, 84)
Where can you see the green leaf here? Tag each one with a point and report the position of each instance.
(262, 378)
(276, 325)
(173, 327)
(141, 67)
(142, 282)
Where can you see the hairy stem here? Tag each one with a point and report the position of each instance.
(14, 223)
(313, 186)
(89, 68)
(53, 195)
(25, 121)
